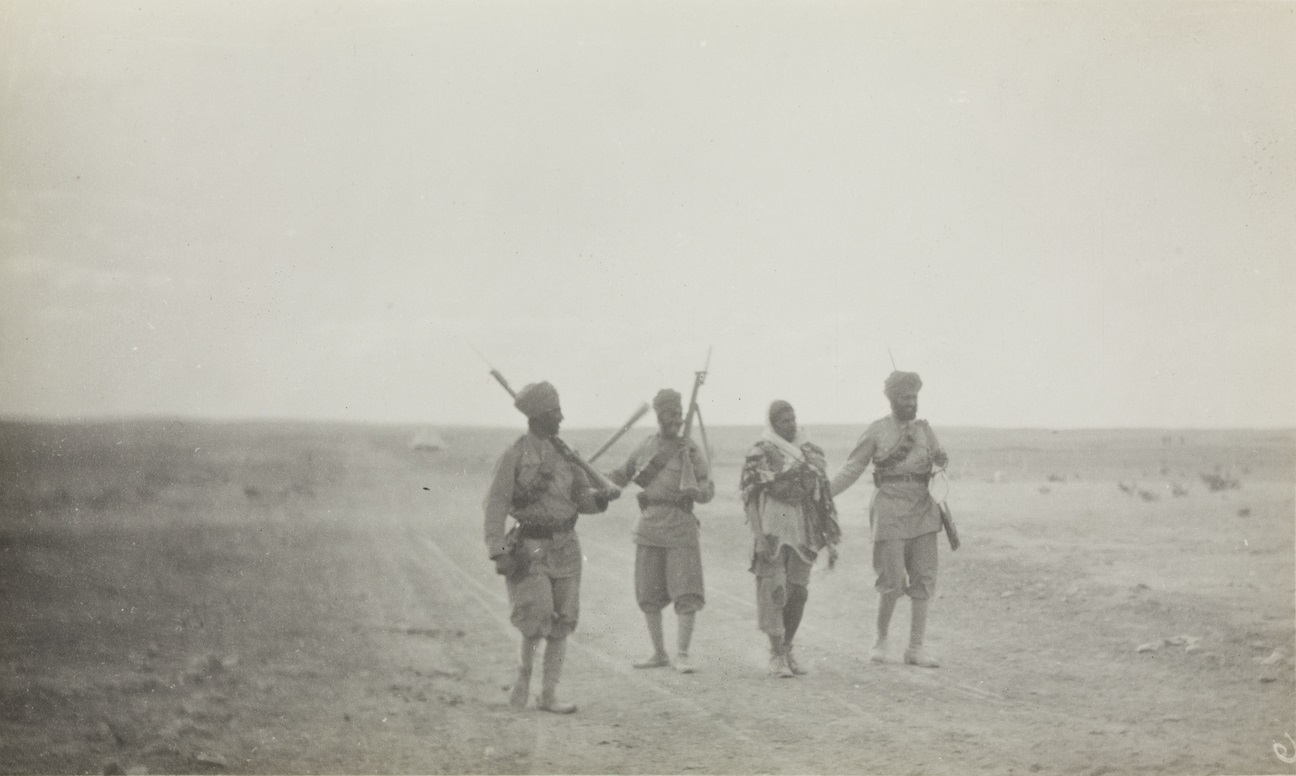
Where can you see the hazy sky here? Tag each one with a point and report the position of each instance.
(1060, 214)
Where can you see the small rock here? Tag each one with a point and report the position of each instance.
(1244, 512)
(1275, 657)
(163, 748)
(1268, 679)
(113, 769)
(153, 650)
(104, 731)
(1193, 648)
(1151, 646)
(1176, 641)
(213, 759)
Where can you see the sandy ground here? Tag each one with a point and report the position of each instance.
(181, 597)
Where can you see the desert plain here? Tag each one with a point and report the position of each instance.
(180, 596)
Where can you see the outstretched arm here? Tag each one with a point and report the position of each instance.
(855, 464)
(938, 454)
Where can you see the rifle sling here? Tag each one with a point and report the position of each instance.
(654, 467)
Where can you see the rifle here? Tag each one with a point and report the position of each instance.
(688, 479)
(604, 484)
(639, 413)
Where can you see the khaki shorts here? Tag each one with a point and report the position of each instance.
(906, 566)
(544, 605)
(772, 580)
(666, 574)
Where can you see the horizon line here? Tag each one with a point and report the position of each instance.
(209, 420)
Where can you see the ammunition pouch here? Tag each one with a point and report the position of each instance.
(513, 547)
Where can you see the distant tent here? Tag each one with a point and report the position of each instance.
(428, 440)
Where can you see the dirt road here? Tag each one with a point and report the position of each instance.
(320, 603)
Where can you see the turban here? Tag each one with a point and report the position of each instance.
(778, 406)
(667, 398)
(902, 382)
(536, 399)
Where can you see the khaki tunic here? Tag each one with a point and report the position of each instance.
(665, 525)
(899, 510)
(535, 485)
(668, 558)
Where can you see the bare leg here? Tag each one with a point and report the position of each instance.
(886, 607)
(522, 686)
(797, 595)
(659, 657)
(682, 663)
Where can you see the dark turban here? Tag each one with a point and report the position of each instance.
(667, 398)
(778, 406)
(536, 399)
(902, 382)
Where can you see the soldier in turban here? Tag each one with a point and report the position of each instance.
(903, 517)
(537, 484)
(668, 558)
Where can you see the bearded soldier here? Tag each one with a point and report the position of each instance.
(789, 505)
(903, 517)
(668, 558)
(538, 484)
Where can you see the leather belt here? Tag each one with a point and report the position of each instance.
(532, 531)
(878, 479)
(680, 502)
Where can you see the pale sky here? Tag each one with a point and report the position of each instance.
(1059, 214)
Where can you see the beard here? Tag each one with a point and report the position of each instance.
(905, 414)
(546, 426)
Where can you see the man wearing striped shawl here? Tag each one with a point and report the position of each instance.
(789, 505)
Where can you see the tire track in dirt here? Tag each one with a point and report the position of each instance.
(493, 603)
(419, 573)
(907, 716)
(784, 727)
(926, 680)
(848, 674)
